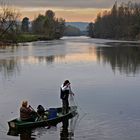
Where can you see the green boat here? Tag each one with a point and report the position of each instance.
(47, 120)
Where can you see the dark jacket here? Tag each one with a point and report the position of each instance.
(64, 95)
(25, 113)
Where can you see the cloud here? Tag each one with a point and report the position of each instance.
(88, 14)
(70, 10)
(66, 3)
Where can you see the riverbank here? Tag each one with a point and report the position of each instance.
(31, 37)
(24, 38)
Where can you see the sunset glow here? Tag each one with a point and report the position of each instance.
(70, 10)
(73, 15)
(71, 58)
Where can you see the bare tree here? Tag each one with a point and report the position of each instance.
(8, 23)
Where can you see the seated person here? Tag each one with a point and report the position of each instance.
(26, 112)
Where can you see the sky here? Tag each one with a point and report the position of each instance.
(70, 10)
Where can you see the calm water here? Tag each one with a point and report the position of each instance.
(105, 77)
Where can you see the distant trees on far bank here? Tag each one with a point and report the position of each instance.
(121, 22)
(72, 31)
(48, 25)
(90, 29)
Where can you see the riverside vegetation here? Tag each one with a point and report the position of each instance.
(121, 22)
(43, 27)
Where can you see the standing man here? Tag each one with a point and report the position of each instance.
(65, 90)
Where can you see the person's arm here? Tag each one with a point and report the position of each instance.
(66, 87)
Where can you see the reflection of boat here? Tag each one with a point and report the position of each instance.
(25, 134)
(45, 121)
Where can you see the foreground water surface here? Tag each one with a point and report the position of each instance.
(105, 77)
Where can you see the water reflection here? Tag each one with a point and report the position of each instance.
(64, 134)
(68, 127)
(12, 63)
(5, 49)
(124, 59)
(25, 134)
(9, 67)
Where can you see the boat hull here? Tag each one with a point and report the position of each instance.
(18, 124)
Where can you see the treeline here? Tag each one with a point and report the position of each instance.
(43, 27)
(121, 22)
(72, 31)
(48, 25)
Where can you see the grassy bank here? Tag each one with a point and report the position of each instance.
(31, 37)
(21, 38)
(27, 38)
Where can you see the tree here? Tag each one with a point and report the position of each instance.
(114, 9)
(90, 29)
(121, 22)
(50, 14)
(49, 26)
(59, 28)
(38, 25)
(25, 24)
(9, 27)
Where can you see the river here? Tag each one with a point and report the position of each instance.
(105, 77)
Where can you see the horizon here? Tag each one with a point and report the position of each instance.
(71, 11)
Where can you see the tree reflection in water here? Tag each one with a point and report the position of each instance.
(9, 64)
(125, 59)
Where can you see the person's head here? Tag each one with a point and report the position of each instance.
(66, 82)
(24, 104)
